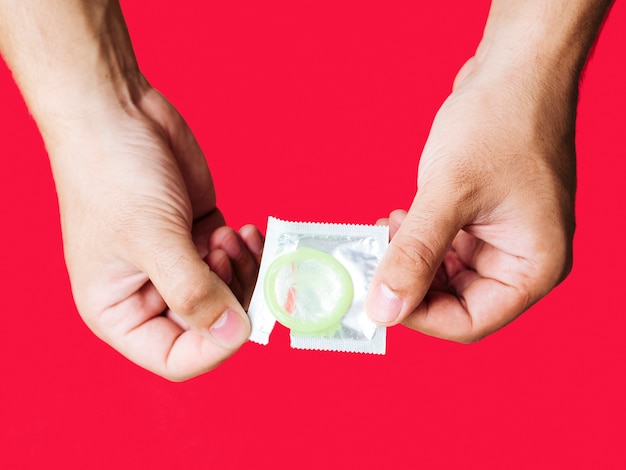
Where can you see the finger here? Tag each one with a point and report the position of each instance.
(253, 239)
(483, 306)
(490, 261)
(220, 263)
(486, 293)
(395, 221)
(244, 264)
(413, 257)
(176, 319)
(464, 72)
(163, 344)
(192, 290)
(440, 282)
(204, 227)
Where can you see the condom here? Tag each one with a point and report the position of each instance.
(313, 279)
(308, 291)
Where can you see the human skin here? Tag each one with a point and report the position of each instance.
(154, 270)
(493, 215)
(490, 230)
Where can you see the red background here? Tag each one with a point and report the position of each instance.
(318, 111)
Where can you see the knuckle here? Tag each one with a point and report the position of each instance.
(565, 261)
(185, 298)
(173, 376)
(567, 268)
(176, 377)
(552, 265)
(470, 338)
(247, 269)
(415, 256)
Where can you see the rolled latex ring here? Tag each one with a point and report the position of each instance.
(308, 269)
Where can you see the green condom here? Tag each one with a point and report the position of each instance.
(308, 291)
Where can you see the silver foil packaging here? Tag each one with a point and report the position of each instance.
(314, 279)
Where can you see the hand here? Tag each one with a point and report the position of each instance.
(490, 230)
(235, 257)
(139, 215)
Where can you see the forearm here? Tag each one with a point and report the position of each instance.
(68, 56)
(533, 51)
(542, 36)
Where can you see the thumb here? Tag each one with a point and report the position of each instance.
(411, 261)
(195, 293)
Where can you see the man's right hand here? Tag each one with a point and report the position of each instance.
(138, 216)
(135, 194)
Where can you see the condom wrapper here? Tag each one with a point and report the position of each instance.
(314, 279)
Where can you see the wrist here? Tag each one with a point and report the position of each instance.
(538, 40)
(88, 105)
(71, 61)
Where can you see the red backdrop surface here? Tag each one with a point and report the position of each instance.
(318, 111)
